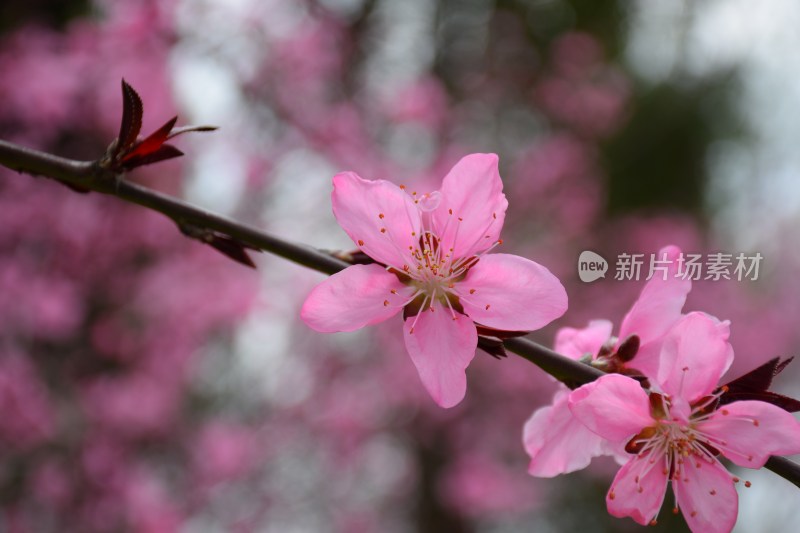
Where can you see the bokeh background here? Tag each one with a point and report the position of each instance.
(149, 384)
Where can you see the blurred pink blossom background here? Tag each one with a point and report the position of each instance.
(149, 384)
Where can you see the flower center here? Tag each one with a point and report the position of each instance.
(436, 268)
(674, 438)
(434, 275)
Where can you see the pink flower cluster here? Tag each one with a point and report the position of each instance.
(659, 410)
(669, 423)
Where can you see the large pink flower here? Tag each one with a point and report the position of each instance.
(555, 441)
(431, 259)
(675, 434)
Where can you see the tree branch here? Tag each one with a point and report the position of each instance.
(91, 175)
(39, 163)
(564, 369)
(256, 238)
(785, 468)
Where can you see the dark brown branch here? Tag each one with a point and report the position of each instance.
(92, 176)
(785, 468)
(564, 369)
(39, 163)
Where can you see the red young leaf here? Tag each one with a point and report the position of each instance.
(129, 150)
(166, 151)
(493, 346)
(628, 348)
(754, 385)
(131, 123)
(757, 380)
(187, 129)
(782, 366)
(224, 244)
(232, 249)
(784, 402)
(153, 142)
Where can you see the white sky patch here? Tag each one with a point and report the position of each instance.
(207, 89)
(402, 47)
(263, 350)
(209, 92)
(755, 183)
(300, 209)
(655, 21)
(343, 7)
(769, 506)
(218, 179)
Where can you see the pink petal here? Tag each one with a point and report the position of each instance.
(647, 358)
(557, 442)
(473, 192)
(735, 433)
(613, 406)
(660, 303)
(441, 348)
(575, 343)
(657, 309)
(353, 298)
(694, 356)
(638, 488)
(511, 293)
(358, 205)
(706, 496)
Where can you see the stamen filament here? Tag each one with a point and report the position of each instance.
(422, 310)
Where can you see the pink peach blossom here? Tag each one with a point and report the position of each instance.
(558, 443)
(675, 434)
(432, 262)
(652, 315)
(555, 441)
